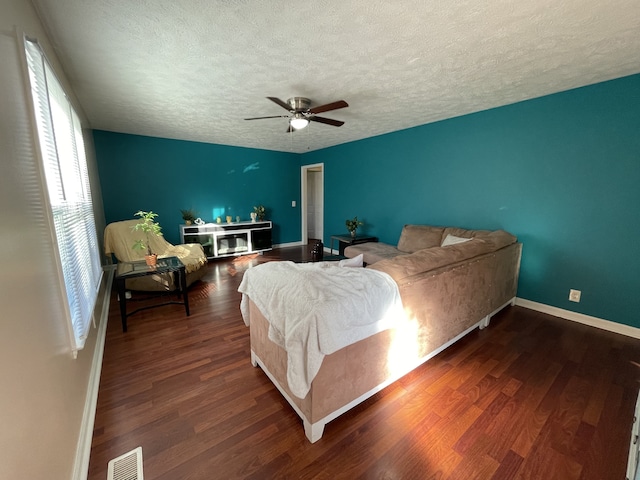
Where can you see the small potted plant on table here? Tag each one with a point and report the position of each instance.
(260, 212)
(352, 226)
(188, 215)
(148, 226)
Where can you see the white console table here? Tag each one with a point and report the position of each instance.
(227, 239)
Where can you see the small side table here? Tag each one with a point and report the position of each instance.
(345, 240)
(127, 270)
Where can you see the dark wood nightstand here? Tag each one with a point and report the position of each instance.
(345, 240)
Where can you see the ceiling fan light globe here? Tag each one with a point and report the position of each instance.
(298, 123)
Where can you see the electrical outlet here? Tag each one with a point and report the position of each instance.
(574, 295)
(293, 203)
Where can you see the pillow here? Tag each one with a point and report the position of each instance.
(452, 240)
(419, 237)
(352, 262)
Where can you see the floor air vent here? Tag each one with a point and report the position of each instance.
(127, 466)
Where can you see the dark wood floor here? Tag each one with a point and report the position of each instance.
(532, 397)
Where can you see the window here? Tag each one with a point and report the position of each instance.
(67, 183)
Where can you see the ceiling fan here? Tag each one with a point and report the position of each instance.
(300, 113)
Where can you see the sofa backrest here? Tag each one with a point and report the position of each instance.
(418, 237)
(430, 258)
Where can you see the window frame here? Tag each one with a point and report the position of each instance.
(67, 193)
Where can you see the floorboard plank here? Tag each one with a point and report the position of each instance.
(530, 397)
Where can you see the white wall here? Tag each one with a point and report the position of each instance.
(43, 388)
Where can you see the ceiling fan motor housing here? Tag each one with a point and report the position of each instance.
(299, 104)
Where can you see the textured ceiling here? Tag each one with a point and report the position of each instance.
(194, 69)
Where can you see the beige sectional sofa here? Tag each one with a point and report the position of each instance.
(447, 291)
(414, 238)
(448, 288)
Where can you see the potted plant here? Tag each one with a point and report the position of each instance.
(260, 212)
(352, 226)
(188, 216)
(148, 226)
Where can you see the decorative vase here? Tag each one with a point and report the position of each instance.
(253, 217)
(229, 219)
(353, 234)
(187, 222)
(218, 220)
(151, 259)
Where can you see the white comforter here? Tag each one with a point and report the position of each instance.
(315, 309)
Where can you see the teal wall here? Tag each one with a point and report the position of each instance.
(561, 172)
(147, 173)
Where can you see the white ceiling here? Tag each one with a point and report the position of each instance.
(194, 69)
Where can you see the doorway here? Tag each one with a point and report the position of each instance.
(312, 197)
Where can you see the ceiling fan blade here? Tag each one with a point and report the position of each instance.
(284, 105)
(272, 116)
(329, 106)
(328, 121)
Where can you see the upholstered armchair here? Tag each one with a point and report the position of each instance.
(119, 238)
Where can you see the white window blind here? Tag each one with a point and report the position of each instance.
(67, 183)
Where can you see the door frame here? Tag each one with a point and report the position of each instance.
(304, 171)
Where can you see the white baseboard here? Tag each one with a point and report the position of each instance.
(580, 318)
(290, 244)
(83, 451)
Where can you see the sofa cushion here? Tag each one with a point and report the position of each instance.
(453, 240)
(462, 232)
(497, 238)
(419, 237)
(372, 251)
